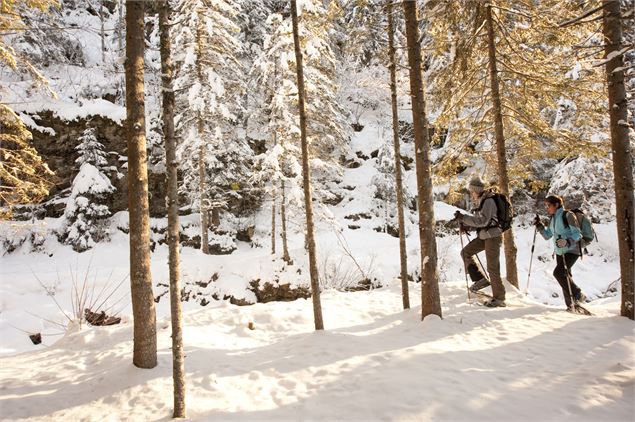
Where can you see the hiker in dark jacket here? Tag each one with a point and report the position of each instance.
(485, 220)
(566, 245)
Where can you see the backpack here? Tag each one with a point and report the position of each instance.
(586, 227)
(504, 211)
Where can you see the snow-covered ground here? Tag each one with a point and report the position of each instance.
(529, 361)
(374, 362)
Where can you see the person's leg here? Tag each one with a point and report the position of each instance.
(475, 246)
(571, 259)
(560, 275)
(492, 254)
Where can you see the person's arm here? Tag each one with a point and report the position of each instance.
(485, 217)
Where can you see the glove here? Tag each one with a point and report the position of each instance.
(458, 216)
(562, 243)
(538, 223)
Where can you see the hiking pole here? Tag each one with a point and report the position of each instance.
(467, 287)
(531, 260)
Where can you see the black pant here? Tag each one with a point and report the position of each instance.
(560, 273)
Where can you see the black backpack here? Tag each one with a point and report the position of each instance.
(504, 211)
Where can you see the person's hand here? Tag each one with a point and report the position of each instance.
(562, 243)
(538, 223)
(458, 216)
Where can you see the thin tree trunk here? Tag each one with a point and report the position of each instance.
(403, 258)
(120, 25)
(503, 178)
(203, 208)
(273, 224)
(145, 333)
(430, 300)
(178, 364)
(103, 34)
(310, 240)
(201, 152)
(283, 218)
(622, 153)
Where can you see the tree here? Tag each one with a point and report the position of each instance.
(25, 177)
(308, 206)
(392, 65)
(430, 299)
(174, 260)
(622, 149)
(503, 178)
(144, 314)
(215, 160)
(86, 209)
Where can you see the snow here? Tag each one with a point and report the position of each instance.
(373, 362)
(474, 364)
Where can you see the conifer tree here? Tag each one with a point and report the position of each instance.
(25, 177)
(143, 310)
(86, 210)
(306, 172)
(430, 299)
(392, 64)
(168, 103)
(622, 147)
(215, 160)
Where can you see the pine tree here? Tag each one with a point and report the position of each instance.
(614, 49)
(399, 191)
(178, 364)
(208, 77)
(306, 172)
(144, 314)
(430, 299)
(25, 177)
(86, 210)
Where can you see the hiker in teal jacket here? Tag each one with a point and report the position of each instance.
(566, 244)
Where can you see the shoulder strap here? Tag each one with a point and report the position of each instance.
(565, 221)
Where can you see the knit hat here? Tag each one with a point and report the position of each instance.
(476, 185)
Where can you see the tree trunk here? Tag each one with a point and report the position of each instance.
(403, 259)
(102, 32)
(145, 333)
(273, 224)
(503, 178)
(283, 218)
(310, 240)
(430, 300)
(622, 164)
(178, 364)
(202, 199)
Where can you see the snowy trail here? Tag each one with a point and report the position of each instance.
(373, 362)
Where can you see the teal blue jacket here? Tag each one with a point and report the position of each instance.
(557, 230)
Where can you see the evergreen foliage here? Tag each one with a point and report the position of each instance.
(550, 98)
(86, 209)
(209, 96)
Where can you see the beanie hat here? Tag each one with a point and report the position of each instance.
(476, 185)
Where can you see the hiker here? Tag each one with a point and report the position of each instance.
(566, 245)
(488, 238)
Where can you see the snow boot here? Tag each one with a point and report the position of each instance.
(479, 284)
(495, 303)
